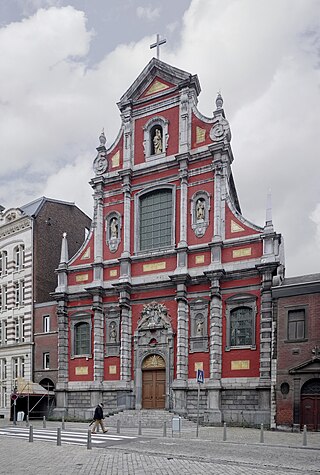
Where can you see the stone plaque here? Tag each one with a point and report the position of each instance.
(81, 370)
(200, 259)
(112, 369)
(198, 365)
(240, 364)
(246, 251)
(115, 160)
(82, 277)
(235, 227)
(113, 273)
(154, 266)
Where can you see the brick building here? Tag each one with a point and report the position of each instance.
(297, 355)
(172, 278)
(29, 254)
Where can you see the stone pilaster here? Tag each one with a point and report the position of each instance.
(98, 235)
(125, 262)
(126, 335)
(182, 330)
(266, 272)
(98, 342)
(63, 354)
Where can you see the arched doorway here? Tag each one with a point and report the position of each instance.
(153, 382)
(310, 405)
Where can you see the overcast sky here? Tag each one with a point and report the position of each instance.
(65, 64)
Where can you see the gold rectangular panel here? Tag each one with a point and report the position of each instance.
(82, 277)
(115, 160)
(200, 135)
(82, 370)
(113, 273)
(240, 364)
(112, 369)
(246, 251)
(154, 266)
(200, 259)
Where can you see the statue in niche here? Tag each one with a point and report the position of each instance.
(199, 328)
(113, 332)
(157, 142)
(114, 228)
(200, 209)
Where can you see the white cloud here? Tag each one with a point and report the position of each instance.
(148, 13)
(262, 55)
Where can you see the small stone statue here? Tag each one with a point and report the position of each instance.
(113, 332)
(114, 228)
(157, 142)
(200, 210)
(200, 328)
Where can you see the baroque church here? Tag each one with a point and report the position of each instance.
(172, 278)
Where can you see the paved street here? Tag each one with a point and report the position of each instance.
(151, 453)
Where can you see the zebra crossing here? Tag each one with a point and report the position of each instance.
(74, 437)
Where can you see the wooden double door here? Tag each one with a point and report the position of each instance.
(310, 412)
(153, 388)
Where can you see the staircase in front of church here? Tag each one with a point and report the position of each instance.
(150, 418)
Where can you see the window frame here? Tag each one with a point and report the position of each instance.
(137, 205)
(236, 302)
(46, 360)
(3, 263)
(74, 321)
(294, 309)
(19, 256)
(46, 327)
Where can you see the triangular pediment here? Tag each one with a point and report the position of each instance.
(158, 78)
(311, 366)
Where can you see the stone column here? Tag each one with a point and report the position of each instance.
(182, 245)
(125, 265)
(126, 336)
(98, 235)
(98, 341)
(63, 358)
(213, 412)
(181, 383)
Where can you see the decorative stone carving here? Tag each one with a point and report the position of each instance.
(100, 164)
(113, 228)
(155, 137)
(113, 331)
(153, 316)
(199, 326)
(220, 130)
(200, 206)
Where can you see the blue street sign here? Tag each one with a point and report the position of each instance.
(200, 376)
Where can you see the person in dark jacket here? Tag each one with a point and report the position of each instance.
(98, 419)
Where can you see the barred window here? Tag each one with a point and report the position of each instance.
(156, 220)
(296, 324)
(82, 338)
(241, 326)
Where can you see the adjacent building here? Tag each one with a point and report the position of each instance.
(297, 352)
(172, 277)
(29, 253)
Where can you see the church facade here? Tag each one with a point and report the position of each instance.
(172, 278)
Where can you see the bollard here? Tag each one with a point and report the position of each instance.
(118, 426)
(30, 434)
(224, 431)
(140, 429)
(44, 422)
(58, 436)
(27, 421)
(304, 443)
(164, 429)
(261, 434)
(63, 424)
(89, 442)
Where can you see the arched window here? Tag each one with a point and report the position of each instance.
(81, 339)
(155, 220)
(18, 256)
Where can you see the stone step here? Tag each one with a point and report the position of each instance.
(149, 418)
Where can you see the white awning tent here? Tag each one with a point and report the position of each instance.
(30, 388)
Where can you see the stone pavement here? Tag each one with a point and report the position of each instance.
(241, 453)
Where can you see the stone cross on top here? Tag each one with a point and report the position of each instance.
(157, 44)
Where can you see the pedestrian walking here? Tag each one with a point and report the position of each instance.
(98, 419)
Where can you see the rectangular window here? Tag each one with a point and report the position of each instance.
(46, 323)
(19, 257)
(241, 326)
(3, 369)
(18, 367)
(3, 297)
(3, 332)
(46, 360)
(19, 291)
(296, 324)
(19, 326)
(3, 263)
(156, 220)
